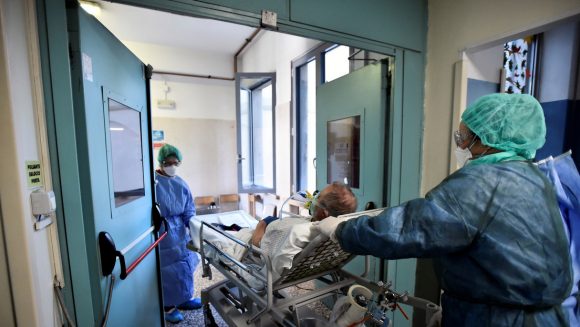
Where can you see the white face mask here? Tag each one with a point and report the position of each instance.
(462, 155)
(170, 170)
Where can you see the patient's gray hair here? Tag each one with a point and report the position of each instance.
(339, 200)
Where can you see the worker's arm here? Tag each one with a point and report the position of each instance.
(445, 221)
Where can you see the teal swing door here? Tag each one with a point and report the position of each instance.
(351, 114)
(110, 94)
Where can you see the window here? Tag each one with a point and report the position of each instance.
(336, 63)
(306, 118)
(343, 156)
(256, 134)
(323, 64)
(126, 152)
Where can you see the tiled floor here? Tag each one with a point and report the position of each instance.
(195, 317)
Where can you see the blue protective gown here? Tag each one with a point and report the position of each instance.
(564, 176)
(497, 240)
(177, 262)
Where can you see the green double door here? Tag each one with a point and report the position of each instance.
(351, 114)
(110, 94)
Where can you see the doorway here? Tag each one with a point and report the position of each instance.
(406, 63)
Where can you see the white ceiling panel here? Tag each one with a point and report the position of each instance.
(136, 24)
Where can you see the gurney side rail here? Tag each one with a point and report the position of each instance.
(266, 305)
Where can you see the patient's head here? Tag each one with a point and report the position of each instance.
(336, 199)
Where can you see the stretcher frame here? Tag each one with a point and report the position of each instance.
(240, 305)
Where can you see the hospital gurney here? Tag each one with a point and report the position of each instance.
(241, 305)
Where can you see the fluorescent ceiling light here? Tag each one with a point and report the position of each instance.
(116, 129)
(90, 7)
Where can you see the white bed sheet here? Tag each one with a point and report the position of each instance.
(238, 217)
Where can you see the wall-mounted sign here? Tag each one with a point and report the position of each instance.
(158, 137)
(34, 173)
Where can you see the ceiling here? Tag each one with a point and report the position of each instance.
(136, 24)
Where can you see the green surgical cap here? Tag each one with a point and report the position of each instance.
(509, 122)
(168, 150)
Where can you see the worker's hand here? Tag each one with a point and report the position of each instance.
(327, 226)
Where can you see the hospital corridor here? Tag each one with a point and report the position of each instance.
(296, 163)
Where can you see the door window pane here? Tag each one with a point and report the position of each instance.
(126, 152)
(336, 63)
(343, 156)
(306, 117)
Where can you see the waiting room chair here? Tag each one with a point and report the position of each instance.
(205, 204)
(229, 202)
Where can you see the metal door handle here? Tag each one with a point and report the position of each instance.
(314, 163)
(240, 158)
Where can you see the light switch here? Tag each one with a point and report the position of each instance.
(43, 203)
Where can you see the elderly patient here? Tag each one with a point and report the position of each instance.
(334, 200)
(283, 238)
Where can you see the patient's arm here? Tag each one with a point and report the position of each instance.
(259, 233)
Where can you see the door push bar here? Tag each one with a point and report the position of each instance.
(109, 252)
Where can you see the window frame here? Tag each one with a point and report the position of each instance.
(106, 95)
(317, 53)
(271, 79)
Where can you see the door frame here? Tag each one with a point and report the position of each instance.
(405, 128)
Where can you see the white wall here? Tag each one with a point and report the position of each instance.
(29, 256)
(208, 148)
(485, 65)
(274, 52)
(202, 125)
(194, 98)
(454, 26)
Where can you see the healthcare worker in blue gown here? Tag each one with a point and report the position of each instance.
(493, 227)
(177, 262)
(563, 174)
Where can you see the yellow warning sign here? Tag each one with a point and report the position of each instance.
(34, 174)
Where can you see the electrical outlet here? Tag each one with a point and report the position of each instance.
(269, 19)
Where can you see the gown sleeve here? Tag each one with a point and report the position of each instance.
(424, 227)
(189, 208)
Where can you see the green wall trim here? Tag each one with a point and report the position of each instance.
(251, 17)
(400, 23)
(376, 21)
